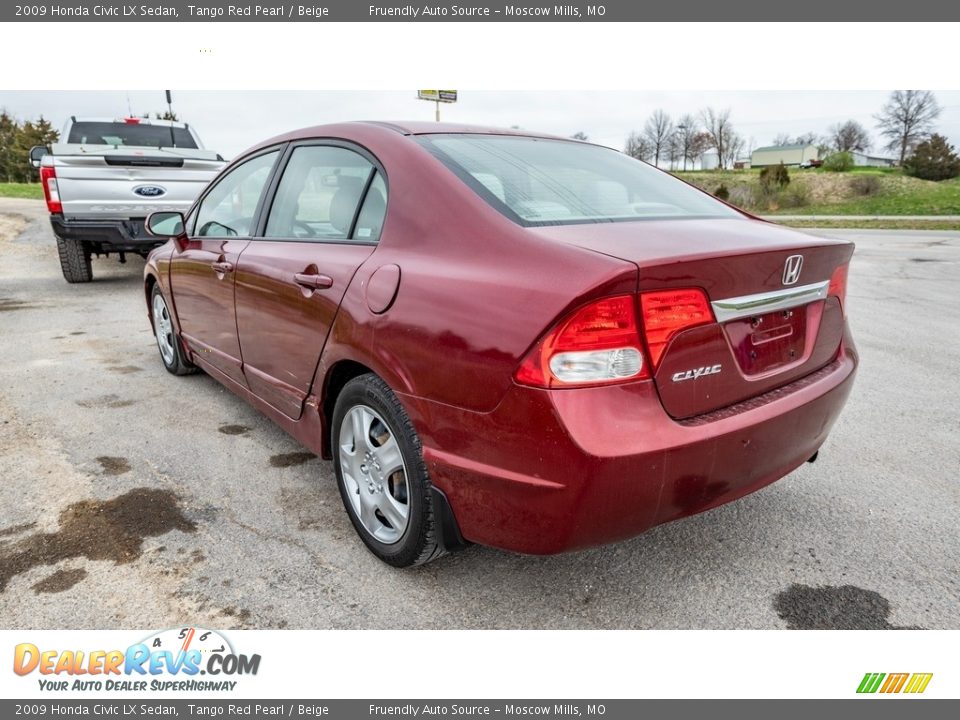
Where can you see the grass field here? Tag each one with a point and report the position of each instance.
(810, 192)
(31, 191)
(864, 191)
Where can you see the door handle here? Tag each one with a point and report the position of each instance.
(313, 281)
(222, 267)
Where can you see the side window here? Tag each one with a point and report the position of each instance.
(229, 207)
(318, 194)
(372, 212)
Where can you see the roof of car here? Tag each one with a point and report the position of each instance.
(419, 127)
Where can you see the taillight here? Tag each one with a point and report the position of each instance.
(838, 285)
(48, 178)
(667, 312)
(595, 345)
(132, 120)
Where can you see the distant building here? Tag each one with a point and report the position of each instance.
(710, 160)
(795, 155)
(863, 160)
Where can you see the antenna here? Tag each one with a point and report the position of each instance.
(129, 109)
(173, 140)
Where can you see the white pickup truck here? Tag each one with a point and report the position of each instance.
(105, 176)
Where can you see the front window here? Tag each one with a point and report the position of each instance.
(536, 181)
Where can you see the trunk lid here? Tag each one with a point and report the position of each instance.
(771, 326)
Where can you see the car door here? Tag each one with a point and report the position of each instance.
(202, 268)
(323, 222)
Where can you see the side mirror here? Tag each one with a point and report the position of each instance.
(164, 224)
(36, 154)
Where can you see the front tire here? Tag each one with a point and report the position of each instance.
(171, 352)
(74, 260)
(381, 475)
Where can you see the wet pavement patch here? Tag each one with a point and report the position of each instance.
(291, 459)
(105, 401)
(125, 369)
(234, 429)
(923, 260)
(16, 529)
(831, 607)
(9, 304)
(98, 530)
(60, 581)
(113, 465)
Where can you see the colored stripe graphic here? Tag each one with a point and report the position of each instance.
(894, 683)
(918, 683)
(870, 682)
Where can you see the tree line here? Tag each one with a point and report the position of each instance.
(16, 139)
(904, 122)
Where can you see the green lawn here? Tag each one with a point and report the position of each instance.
(819, 192)
(917, 198)
(30, 191)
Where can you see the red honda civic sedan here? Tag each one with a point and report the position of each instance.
(504, 338)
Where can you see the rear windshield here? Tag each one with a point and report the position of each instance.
(535, 181)
(135, 135)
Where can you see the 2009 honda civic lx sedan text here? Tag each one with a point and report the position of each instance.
(504, 338)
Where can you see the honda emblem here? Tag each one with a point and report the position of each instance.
(791, 269)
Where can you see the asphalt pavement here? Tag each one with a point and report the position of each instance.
(131, 498)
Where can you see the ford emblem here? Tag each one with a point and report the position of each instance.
(150, 191)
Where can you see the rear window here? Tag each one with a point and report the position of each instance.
(134, 135)
(535, 181)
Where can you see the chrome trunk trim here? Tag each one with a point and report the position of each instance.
(747, 305)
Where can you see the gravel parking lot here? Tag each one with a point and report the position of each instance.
(135, 499)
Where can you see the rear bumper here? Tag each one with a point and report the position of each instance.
(550, 471)
(107, 235)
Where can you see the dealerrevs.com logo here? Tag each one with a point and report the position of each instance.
(182, 659)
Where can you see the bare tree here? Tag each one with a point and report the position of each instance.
(699, 144)
(848, 136)
(579, 135)
(718, 126)
(637, 146)
(781, 140)
(807, 138)
(657, 132)
(674, 148)
(906, 119)
(735, 145)
(687, 128)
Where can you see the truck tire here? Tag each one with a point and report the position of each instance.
(74, 260)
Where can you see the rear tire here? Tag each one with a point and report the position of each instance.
(381, 475)
(171, 351)
(74, 260)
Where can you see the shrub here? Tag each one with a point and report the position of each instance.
(774, 177)
(933, 159)
(865, 185)
(794, 196)
(838, 162)
(722, 192)
(742, 196)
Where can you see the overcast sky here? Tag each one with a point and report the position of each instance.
(230, 121)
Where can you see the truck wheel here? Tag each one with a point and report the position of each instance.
(74, 260)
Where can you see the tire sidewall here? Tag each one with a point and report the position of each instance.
(178, 362)
(372, 392)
